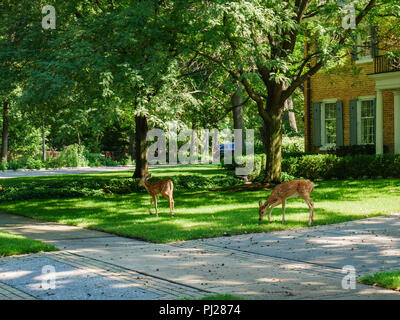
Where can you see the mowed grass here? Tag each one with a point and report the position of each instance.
(389, 280)
(211, 213)
(11, 244)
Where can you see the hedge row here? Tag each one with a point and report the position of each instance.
(331, 166)
(97, 187)
(328, 166)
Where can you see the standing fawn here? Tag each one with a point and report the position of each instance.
(287, 190)
(163, 187)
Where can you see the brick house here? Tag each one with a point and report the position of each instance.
(344, 109)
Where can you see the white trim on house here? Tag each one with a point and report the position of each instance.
(396, 112)
(366, 59)
(387, 80)
(329, 100)
(379, 121)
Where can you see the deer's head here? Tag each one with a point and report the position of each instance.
(144, 179)
(262, 209)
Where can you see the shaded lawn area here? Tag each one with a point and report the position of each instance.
(210, 213)
(11, 244)
(389, 280)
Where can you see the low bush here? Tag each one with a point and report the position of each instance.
(98, 159)
(292, 144)
(72, 156)
(99, 187)
(330, 166)
(259, 164)
(327, 166)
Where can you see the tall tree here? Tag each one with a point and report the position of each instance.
(261, 44)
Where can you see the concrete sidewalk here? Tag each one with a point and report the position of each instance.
(298, 264)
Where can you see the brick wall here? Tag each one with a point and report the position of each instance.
(346, 86)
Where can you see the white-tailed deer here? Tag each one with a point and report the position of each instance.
(283, 191)
(163, 187)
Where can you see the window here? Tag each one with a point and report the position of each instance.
(330, 122)
(367, 122)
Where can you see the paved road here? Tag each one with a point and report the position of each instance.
(298, 264)
(52, 172)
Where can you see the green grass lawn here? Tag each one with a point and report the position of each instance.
(11, 244)
(389, 280)
(209, 213)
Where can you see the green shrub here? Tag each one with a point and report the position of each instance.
(3, 165)
(14, 165)
(259, 164)
(72, 156)
(292, 144)
(32, 163)
(354, 150)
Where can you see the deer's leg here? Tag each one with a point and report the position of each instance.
(168, 195)
(311, 207)
(171, 206)
(283, 209)
(311, 218)
(272, 207)
(151, 202)
(155, 203)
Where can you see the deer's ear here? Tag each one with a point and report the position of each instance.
(260, 203)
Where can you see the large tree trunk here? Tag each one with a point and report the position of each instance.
(142, 165)
(289, 107)
(292, 118)
(274, 145)
(4, 143)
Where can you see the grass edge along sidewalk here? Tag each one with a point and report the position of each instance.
(12, 244)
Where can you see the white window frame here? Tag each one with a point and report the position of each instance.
(359, 101)
(324, 145)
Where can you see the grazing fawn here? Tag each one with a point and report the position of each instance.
(287, 190)
(163, 187)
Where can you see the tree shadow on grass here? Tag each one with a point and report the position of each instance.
(203, 214)
(119, 218)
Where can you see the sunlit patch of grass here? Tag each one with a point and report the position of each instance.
(11, 244)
